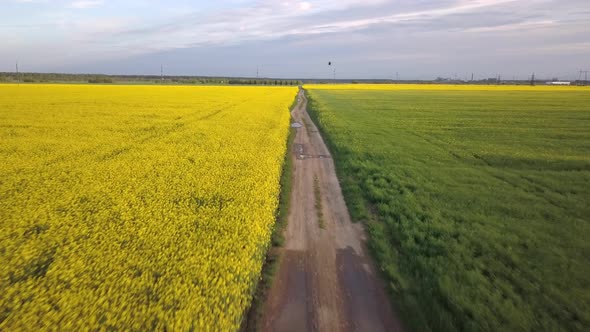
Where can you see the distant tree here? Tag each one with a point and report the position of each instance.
(100, 80)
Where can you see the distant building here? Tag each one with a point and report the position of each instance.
(558, 83)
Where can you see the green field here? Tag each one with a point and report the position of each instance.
(477, 202)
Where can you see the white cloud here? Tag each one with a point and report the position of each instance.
(462, 7)
(305, 5)
(85, 4)
(521, 26)
(30, 1)
(349, 26)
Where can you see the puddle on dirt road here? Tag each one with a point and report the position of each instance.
(301, 155)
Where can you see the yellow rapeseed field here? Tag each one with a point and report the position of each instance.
(136, 207)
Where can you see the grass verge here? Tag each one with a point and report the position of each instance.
(361, 211)
(318, 201)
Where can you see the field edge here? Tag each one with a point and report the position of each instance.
(252, 315)
(360, 212)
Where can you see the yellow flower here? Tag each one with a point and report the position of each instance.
(137, 207)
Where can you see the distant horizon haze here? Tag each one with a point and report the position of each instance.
(370, 39)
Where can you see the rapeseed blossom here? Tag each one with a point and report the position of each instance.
(136, 207)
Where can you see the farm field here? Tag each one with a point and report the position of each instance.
(136, 207)
(476, 198)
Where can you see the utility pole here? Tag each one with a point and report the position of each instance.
(533, 80)
(334, 73)
(471, 77)
(257, 68)
(162, 73)
(17, 75)
(585, 72)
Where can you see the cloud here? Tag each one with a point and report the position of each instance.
(85, 4)
(305, 5)
(520, 26)
(358, 31)
(30, 1)
(265, 20)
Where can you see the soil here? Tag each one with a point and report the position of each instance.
(326, 280)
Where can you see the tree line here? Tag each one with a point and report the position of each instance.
(142, 79)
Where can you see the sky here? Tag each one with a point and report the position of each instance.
(409, 39)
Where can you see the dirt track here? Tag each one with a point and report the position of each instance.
(326, 281)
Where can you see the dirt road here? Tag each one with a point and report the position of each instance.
(326, 280)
